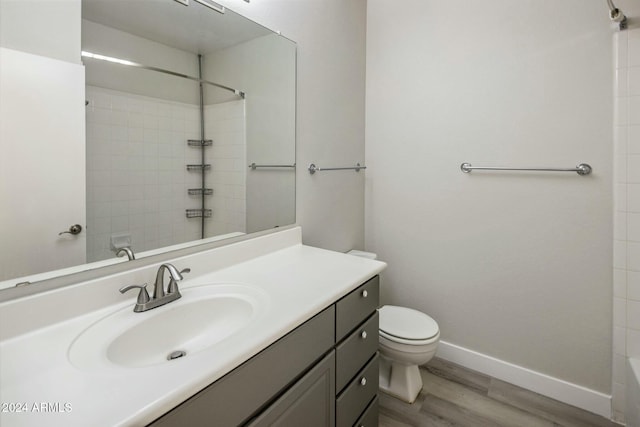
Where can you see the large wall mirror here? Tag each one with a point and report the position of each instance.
(189, 136)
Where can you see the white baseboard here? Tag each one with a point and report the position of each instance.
(566, 392)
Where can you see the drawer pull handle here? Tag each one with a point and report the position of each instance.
(364, 335)
(365, 294)
(363, 381)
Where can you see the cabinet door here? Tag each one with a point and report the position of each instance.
(310, 402)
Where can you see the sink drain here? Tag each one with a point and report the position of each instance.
(176, 354)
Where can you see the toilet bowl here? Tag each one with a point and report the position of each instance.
(408, 338)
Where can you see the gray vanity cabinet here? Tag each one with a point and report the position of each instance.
(356, 355)
(355, 398)
(324, 373)
(309, 402)
(369, 417)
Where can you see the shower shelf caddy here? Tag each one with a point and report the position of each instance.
(200, 143)
(198, 213)
(202, 167)
(200, 191)
(198, 167)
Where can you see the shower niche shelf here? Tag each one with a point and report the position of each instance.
(199, 213)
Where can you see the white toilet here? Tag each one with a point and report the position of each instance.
(408, 339)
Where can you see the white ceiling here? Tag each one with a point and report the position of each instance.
(194, 28)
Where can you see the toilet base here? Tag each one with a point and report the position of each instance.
(399, 380)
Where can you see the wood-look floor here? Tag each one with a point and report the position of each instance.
(455, 396)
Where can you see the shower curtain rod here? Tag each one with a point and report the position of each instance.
(126, 62)
(616, 15)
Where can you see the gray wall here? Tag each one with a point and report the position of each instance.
(330, 111)
(265, 69)
(59, 19)
(516, 266)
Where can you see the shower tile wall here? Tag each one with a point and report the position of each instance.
(136, 170)
(626, 256)
(225, 124)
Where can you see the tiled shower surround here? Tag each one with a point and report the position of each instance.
(626, 259)
(137, 179)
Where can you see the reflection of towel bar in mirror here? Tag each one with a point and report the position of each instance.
(254, 166)
(313, 168)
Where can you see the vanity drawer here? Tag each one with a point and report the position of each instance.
(354, 351)
(355, 398)
(370, 416)
(356, 306)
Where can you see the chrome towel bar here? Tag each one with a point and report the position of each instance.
(253, 166)
(313, 168)
(581, 169)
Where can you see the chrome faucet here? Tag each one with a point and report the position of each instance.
(160, 296)
(128, 251)
(158, 288)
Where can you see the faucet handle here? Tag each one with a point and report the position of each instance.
(173, 284)
(143, 295)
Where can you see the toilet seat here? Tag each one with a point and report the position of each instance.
(397, 340)
(407, 326)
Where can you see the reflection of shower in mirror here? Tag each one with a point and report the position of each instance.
(142, 112)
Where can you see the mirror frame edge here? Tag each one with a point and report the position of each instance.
(56, 283)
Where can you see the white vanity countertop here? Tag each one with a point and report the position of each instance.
(300, 281)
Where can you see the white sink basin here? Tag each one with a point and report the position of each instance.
(204, 317)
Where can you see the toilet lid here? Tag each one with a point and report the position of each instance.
(406, 323)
